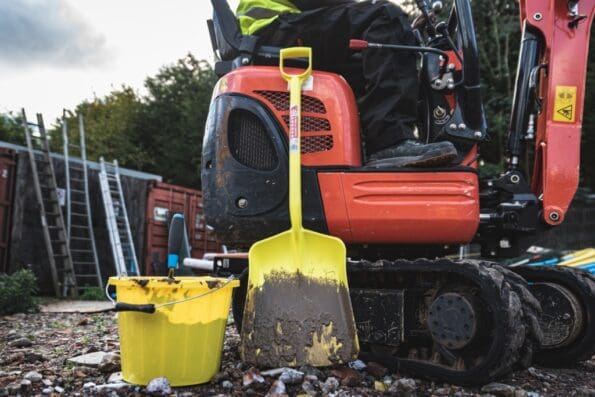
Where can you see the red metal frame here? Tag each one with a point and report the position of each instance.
(401, 207)
(175, 199)
(557, 144)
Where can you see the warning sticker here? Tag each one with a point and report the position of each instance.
(565, 103)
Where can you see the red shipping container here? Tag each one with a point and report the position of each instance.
(7, 179)
(164, 200)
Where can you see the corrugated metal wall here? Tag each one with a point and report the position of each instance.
(27, 243)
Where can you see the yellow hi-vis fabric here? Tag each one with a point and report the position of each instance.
(254, 15)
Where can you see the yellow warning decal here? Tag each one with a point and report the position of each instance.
(565, 103)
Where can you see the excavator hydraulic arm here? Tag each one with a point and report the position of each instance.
(563, 28)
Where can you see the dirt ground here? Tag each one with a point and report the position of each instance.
(35, 348)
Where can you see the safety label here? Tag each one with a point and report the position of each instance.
(565, 103)
(293, 129)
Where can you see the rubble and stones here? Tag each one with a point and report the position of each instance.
(46, 366)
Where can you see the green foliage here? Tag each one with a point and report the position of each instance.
(16, 292)
(174, 118)
(92, 294)
(498, 36)
(112, 129)
(11, 129)
(160, 132)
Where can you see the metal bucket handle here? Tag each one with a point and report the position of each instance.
(151, 307)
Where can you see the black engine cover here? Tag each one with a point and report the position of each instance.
(245, 174)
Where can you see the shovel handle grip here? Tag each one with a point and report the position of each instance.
(292, 53)
(130, 307)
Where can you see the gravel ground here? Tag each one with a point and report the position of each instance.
(34, 349)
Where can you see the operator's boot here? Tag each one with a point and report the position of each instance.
(412, 153)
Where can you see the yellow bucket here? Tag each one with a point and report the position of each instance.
(183, 338)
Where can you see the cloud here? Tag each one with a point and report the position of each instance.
(47, 32)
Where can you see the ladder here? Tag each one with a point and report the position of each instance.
(52, 222)
(117, 219)
(79, 225)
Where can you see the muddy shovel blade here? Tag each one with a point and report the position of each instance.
(298, 310)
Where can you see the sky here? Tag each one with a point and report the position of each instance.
(56, 53)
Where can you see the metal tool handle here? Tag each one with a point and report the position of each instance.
(295, 94)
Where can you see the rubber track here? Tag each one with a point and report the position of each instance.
(582, 284)
(508, 296)
(531, 312)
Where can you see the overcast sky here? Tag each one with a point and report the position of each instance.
(56, 53)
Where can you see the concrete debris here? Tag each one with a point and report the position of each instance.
(89, 385)
(109, 363)
(358, 365)
(330, 385)
(116, 377)
(274, 371)
(405, 387)
(291, 376)
(159, 386)
(57, 337)
(251, 376)
(89, 360)
(277, 389)
(33, 376)
(309, 388)
(227, 385)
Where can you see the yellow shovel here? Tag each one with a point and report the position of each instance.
(297, 308)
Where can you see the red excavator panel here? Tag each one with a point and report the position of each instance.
(401, 207)
(330, 121)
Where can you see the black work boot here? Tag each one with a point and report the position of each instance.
(412, 153)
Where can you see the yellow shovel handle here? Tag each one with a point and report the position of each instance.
(295, 99)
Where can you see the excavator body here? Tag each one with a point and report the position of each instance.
(465, 321)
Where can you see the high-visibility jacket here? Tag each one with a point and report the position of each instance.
(254, 15)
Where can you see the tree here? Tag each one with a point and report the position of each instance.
(160, 132)
(174, 117)
(11, 129)
(112, 129)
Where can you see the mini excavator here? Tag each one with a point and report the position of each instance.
(465, 321)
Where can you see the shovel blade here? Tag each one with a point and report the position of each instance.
(298, 310)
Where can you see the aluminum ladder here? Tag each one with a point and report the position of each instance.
(117, 219)
(79, 224)
(54, 230)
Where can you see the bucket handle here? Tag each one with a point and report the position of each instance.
(150, 307)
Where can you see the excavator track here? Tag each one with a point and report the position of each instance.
(567, 296)
(397, 308)
(394, 303)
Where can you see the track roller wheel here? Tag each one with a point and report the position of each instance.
(474, 321)
(567, 296)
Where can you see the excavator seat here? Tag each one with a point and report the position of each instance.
(232, 48)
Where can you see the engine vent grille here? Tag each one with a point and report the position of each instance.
(316, 143)
(280, 100)
(310, 124)
(249, 142)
